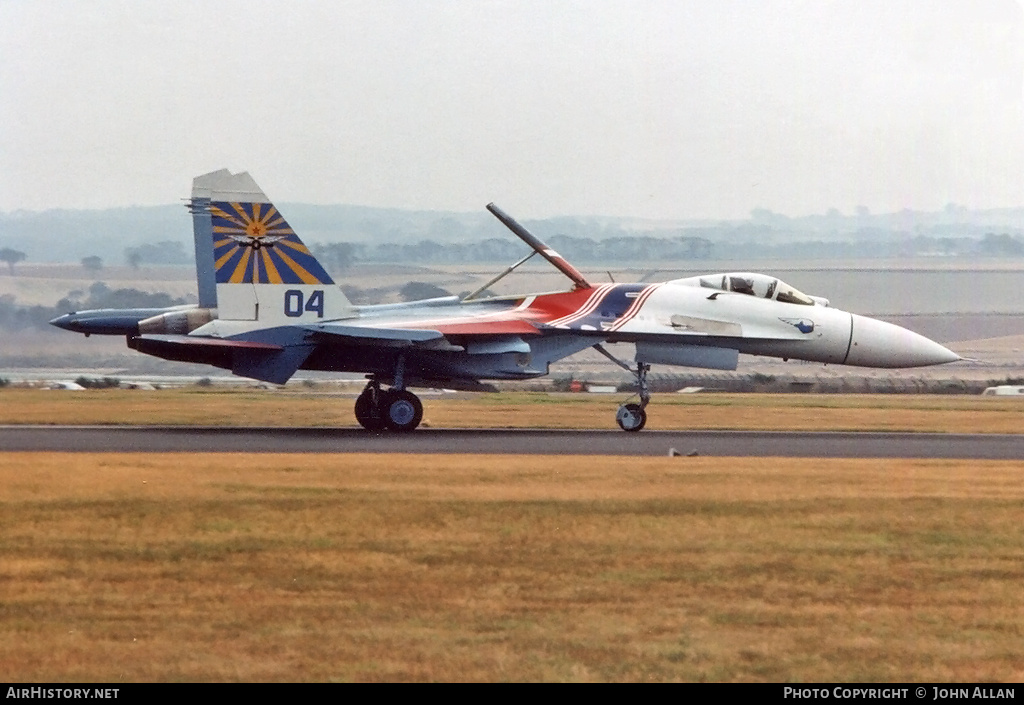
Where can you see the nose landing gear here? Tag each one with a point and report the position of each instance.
(632, 417)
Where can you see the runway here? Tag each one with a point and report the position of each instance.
(193, 439)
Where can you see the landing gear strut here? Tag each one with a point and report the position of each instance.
(395, 409)
(632, 417)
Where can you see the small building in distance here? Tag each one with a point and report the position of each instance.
(1004, 390)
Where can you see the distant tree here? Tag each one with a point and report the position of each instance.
(99, 295)
(102, 296)
(97, 383)
(414, 291)
(1002, 244)
(699, 247)
(336, 256)
(354, 294)
(163, 252)
(11, 257)
(92, 263)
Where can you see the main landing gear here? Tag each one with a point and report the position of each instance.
(395, 409)
(392, 409)
(632, 417)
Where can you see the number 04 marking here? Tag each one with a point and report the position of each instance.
(293, 303)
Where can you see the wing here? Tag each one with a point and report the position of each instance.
(502, 332)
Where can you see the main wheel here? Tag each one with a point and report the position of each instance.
(631, 417)
(401, 410)
(368, 417)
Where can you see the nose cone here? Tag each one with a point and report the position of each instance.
(67, 322)
(879, 344)
(104, 321)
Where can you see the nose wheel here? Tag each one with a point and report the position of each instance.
(393, 409)
(631, 417)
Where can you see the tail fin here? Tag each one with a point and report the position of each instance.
(250, 264)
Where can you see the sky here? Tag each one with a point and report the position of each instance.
(665, 109)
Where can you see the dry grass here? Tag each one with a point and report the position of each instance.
(951, 414)
(363, 567)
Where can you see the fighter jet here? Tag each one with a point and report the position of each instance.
(267, 308)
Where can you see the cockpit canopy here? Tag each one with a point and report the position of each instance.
(759, 285)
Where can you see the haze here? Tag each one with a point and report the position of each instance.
(675, 110)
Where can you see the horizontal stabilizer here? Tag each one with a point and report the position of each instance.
(274, 366)
(201, 342)
(208, 351)
(246, 358)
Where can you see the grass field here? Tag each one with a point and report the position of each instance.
(234, 407)
(362, 567)
(350, 567)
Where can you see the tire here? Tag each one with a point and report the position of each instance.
(369, 418)
(631, 418)
(401, 410)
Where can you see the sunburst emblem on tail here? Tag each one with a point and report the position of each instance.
(253, 244)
